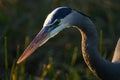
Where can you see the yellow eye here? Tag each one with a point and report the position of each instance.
(57, 22)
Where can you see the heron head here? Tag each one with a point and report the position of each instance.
(56, 21)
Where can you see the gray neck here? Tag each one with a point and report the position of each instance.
(90, 46)
(100, 67)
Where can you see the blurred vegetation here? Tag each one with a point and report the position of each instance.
(60, 58)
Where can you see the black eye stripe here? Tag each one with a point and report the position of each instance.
(57, 21)
(61, 13)
(52, 28)
(54, 25)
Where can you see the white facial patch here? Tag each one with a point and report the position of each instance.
(57, 30)
(47, 20)
(49, 17)
(65, 23)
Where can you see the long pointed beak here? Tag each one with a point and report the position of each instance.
(39, 40)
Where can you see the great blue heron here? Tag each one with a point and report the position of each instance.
(64, 17)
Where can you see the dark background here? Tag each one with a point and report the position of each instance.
(60, 58)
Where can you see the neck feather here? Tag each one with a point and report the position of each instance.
(90, 46)
(100, 67)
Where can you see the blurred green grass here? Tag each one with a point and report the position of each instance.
(60, 58)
